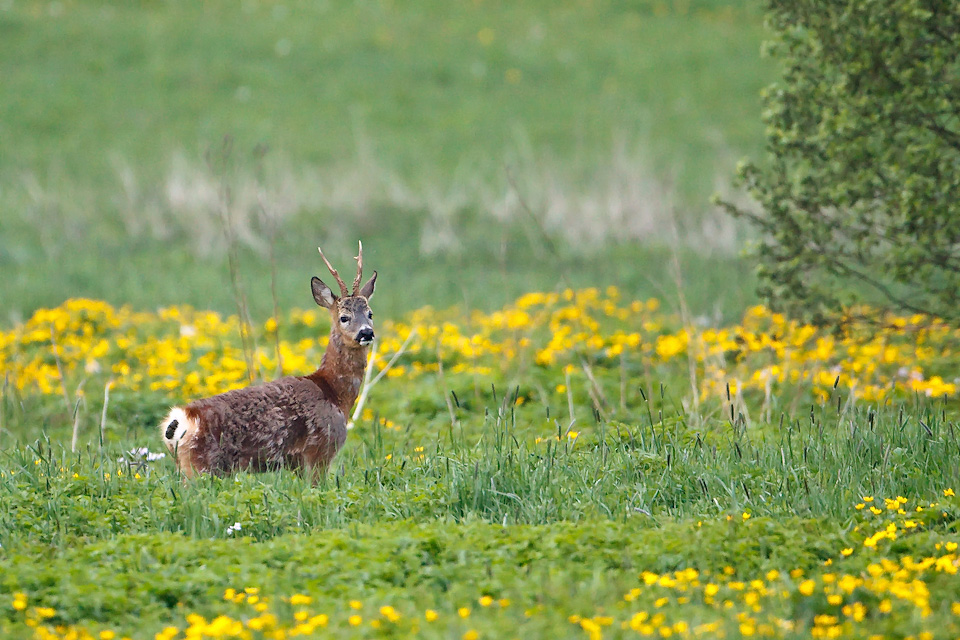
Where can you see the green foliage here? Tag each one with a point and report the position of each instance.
(863, 133)
(132, 579)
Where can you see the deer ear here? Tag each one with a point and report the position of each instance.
(367, 290)
(322, 293)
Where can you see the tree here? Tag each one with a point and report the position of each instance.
(860, 192)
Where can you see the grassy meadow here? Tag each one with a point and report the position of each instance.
(514, 146)
(583, 425)
(575, 464)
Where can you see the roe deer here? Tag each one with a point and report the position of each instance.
(297, 421)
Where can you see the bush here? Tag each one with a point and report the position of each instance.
(860, 193)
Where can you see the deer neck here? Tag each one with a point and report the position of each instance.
(341, 372)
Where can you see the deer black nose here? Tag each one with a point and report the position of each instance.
(365, 336)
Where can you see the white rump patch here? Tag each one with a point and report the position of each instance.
(184, 424)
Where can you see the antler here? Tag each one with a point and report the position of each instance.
(343, 287)
(356, 281)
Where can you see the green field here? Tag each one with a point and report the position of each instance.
(593, 432)
(415, 128)
(506, 477)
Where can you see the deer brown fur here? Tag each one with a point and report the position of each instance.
(298, 421)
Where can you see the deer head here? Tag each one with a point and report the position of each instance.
(350, 313)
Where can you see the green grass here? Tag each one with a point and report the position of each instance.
(583, 508)
(103, 100)
(404, 125)
(489, 469)
(561, 567)
(556, 528)
(485, 275)
(144, 80)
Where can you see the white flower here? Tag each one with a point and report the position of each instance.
(233, 528)
(143, 453)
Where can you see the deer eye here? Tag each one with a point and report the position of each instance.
(344, 319)
(370, 314)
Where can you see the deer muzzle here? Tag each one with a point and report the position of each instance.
(365, 336)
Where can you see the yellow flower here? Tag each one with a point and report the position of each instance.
(463, 612)
(486, 601)
(196, 620)
(430, 615)
(355, 620)
(167, 633)
(947, 493)
(669, 346)
(806, 587)
(471, 635)
(389, 613)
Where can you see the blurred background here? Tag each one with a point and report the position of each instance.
(480, 149)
